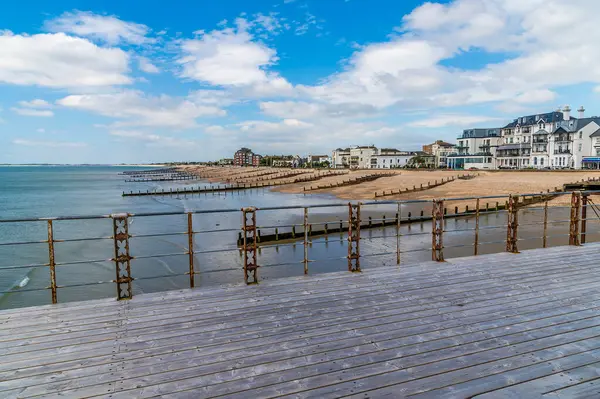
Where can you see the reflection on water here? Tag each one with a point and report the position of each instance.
(217, 257)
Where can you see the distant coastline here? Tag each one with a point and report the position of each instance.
(88, 164)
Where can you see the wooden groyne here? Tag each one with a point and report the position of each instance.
(176, 177)
(323, 229)
(149, 172)
(591, 184)
(278, 176)
(351, 182)
(231, 187)
(422, 187)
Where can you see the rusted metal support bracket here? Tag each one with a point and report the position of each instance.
(190, 233)
(574, 225)
(437, 231)
(354, 238)
(584, 203)
(52, 261)
(250, 247)
(512, 224)
(122, 258)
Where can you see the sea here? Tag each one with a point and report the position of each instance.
(84, 248)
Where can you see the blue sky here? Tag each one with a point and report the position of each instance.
(153, 81)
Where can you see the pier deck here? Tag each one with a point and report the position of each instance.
(495, 326)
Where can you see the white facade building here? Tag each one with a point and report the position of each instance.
(388, 158)
(360, 157)
(340, 158)
(553, 140)
(475, 148)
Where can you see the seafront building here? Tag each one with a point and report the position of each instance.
(245, 157)
(552, 140)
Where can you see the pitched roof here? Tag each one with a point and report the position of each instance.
(534, 119)
(596, 133)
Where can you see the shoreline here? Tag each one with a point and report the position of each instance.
(485, 183)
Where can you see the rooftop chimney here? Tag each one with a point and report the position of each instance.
(566, 113)
(581, 111)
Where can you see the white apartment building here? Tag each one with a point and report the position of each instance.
(389, 158)
(360, 157)
(475, 148)
(553, 140)
(340, 158)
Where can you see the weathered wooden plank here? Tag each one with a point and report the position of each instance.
(588, 389)
(452, 328)
(220, 336)
(313, 281)
(563, 373)
(321, 341)
(375, 298)
(313, 296)
(161, 374)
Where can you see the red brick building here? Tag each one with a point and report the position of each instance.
(245, 157)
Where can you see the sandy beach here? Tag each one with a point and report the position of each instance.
(484, 183)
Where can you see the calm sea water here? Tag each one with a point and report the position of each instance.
(85, 267)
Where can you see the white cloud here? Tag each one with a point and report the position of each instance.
(37, 103)
(33, 112)
(549, 44)
(304, 110)
(134, 108)
(108, 29)
(445, 120)
(41, 130)
(60, 61)
(152, 139)
(51, 144)
(536, 97)
(147, 66)
(232, 58)
(269, 127)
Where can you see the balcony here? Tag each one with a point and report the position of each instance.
(543, 141)
(556, 152)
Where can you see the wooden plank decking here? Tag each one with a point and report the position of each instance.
(494, 326)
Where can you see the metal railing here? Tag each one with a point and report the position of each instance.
(251, 244)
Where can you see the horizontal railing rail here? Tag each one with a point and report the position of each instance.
(581, 209)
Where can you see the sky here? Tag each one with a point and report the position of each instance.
(109, 81)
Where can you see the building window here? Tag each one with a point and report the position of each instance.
(511, 140)
(535, 160)
(579, 147)
(580, 135)
(541, 161)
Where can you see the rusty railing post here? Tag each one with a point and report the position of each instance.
(437, 231)
(354, 238)
(574, 225)
(476, 245)
(249, 247)
(545, 237)
(398, 225)
(52, 262)
(512, 224)
(122, 258)
(305, 240)
(190, 233)
(584, 202)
